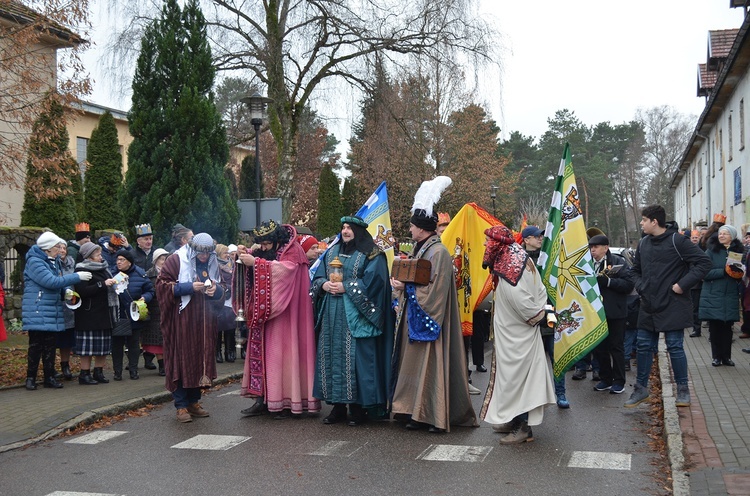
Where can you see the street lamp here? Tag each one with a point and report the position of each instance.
(257, 104)
(493, 195)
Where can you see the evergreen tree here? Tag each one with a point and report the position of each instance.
(329, 203)
(349, 197)
(179, 151)
(49, 196)
(103, 176)
(247, 178)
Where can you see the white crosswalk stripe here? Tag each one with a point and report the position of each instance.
(76, 493)
(600, 460)
(211, 442)
(452, 453)
(96, 437)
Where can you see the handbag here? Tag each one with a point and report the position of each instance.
(122, 328)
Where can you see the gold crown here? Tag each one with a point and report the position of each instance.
(143, 230)
(264, 229)
(83, 227)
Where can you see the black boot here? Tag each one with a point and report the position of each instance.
(66, 373)
(162, 372)
(30, 384)
(219, 358)
(85, 379)
(133, 373)
(148, 359)
(51, 382)
(230, 353)
(117, 375)
(99, 375)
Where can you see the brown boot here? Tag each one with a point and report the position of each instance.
(195, 410)
(521, 434)
(183, 415)
(505, 428)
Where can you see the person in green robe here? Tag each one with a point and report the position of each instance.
(354, 324)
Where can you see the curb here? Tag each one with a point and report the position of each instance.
(92, 416)
(673, 433)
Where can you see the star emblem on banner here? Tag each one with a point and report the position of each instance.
(568, 269)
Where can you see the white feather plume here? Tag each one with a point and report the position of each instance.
(429, 193)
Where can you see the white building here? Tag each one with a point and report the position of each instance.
(714, 174)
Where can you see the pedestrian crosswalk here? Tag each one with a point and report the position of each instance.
(211, 442)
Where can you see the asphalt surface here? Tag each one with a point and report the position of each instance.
(574, 449)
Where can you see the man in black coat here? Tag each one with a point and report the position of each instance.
(615, 282)
(666, 267)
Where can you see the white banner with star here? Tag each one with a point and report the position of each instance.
(568, 274)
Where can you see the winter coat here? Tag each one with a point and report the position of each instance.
(73, 249)
(94, 313)
(142, 259)
(138, 286)
(720, 294)
(660, 262)
(44, 286)
(615, 289)
(151, 335)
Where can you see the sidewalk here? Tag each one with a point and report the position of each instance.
(715, 430)
(27, 417)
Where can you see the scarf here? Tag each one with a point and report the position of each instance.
(503, 256)
(113, 302)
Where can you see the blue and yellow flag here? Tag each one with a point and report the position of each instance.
(464, 238)
(568, 273)
(377, 213)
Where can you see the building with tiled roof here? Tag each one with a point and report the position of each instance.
(714, 172)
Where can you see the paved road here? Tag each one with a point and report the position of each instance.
(595, 444)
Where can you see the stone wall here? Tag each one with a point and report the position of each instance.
(20, 238)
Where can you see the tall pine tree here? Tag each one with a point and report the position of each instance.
(103, 179)
(179, 150)
(50, 198)
(329, 203)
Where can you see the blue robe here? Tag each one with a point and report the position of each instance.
(355, 332)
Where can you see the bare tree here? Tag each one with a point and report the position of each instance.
(31, 33)
(535, 207)
(667, 133)
(295, 48)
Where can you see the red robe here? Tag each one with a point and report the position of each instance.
(280, 359)
(189, 335)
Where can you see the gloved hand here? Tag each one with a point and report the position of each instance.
(603, 281)
(84, 275)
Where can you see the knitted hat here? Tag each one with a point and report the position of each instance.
(232, 248)
(203, 242)
(87, 249)
(730, 229)
(47, 240)
(307, 242)
(159, 252)
(126, 255)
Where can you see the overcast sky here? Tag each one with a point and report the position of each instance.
(601, 59)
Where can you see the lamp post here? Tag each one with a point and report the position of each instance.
(493, 195)
(257, 104)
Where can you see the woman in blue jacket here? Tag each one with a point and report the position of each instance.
(43, 300)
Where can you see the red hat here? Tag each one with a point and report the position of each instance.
(307, 242)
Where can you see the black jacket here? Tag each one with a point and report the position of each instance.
(615, 288)
(142, 259)
(94, 313)
(660, 262)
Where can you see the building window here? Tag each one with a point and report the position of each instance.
(737, 186)
(691, 182)
(82, 146)
(729, 131)
(712, 159)
(742, 124)
(721, 149)
(699, 174)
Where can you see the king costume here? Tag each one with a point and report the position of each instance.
(522, 384)
(430, 379)
(187, 322)
(355, 328)
(280, 358)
